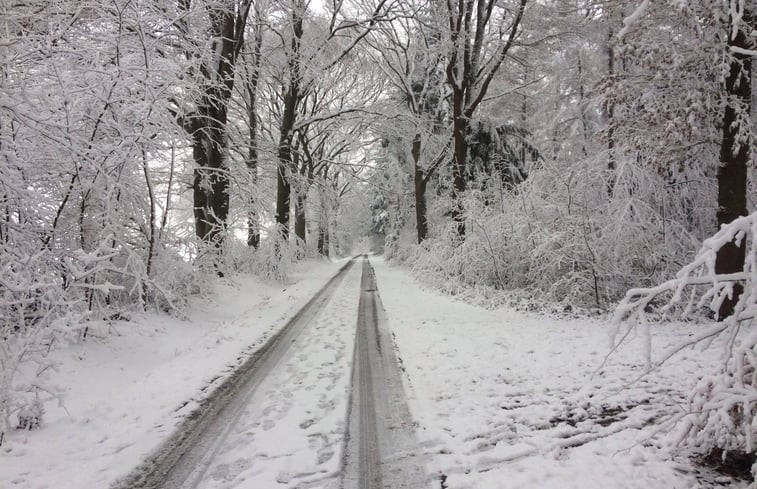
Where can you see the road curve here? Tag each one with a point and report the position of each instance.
(181, 461)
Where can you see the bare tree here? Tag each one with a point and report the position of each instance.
(410, 54)
(206, 124)
(252, 82)
(473, 60)
(303, 66)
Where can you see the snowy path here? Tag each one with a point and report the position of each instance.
(382, 451)
(250, 414)
(294, 417)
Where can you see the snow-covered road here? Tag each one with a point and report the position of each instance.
(276, 419)
(132, 383)
(292, 416)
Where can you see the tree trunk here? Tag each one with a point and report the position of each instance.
(292, 98)
(421, 222)
(299, 217)
(459, 133)
(610, 112)
(211, 179)
(153, 234)
(469, 73)
(323, 241)
(207, 126)
(581, 105)
(253, 224)
(734, 157)
(283, 181)
(323, 216)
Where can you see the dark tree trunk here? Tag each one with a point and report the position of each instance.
(211, 179)
(469, 73)
(207, 126)
(292, 98)
(253, 224)
(299, 217)
(283, 193)
(610, 113)
(323, 241)
(459, 133)
(581, 107)
(421, 222)
(283, 180)
(734, 158)
(323, 218)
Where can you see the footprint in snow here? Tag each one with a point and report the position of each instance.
(320, 443)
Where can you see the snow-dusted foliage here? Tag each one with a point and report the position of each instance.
(560, 237)
(620, 188)
(87, 148)
(273, 260)
(722, 408)
(107, 109)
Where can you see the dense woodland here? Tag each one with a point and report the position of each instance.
(562, 151)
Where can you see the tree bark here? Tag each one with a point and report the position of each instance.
(459, 135)
(469, 73)
(610, 112)
(323, 217)
(421, 222)
(299, 217)
(253, 224)
(207, 126)
(581, 106)
(211, 179)
(292, 98)
(734, 156)
(322, 241)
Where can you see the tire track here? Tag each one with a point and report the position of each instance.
(380, 450)
(182, 460)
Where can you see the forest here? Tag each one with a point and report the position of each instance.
(575, 157)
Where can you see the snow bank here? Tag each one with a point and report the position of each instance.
(507, 399)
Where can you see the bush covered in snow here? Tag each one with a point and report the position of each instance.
(723, 407)
(560, 237)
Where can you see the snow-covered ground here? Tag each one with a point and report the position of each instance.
(502, 399)
(129, 386)
(511, 400)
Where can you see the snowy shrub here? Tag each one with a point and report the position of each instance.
(274, 259)
(36, 314)
(722, 407)
(559, 236)
(87, 149)
(174, 281)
